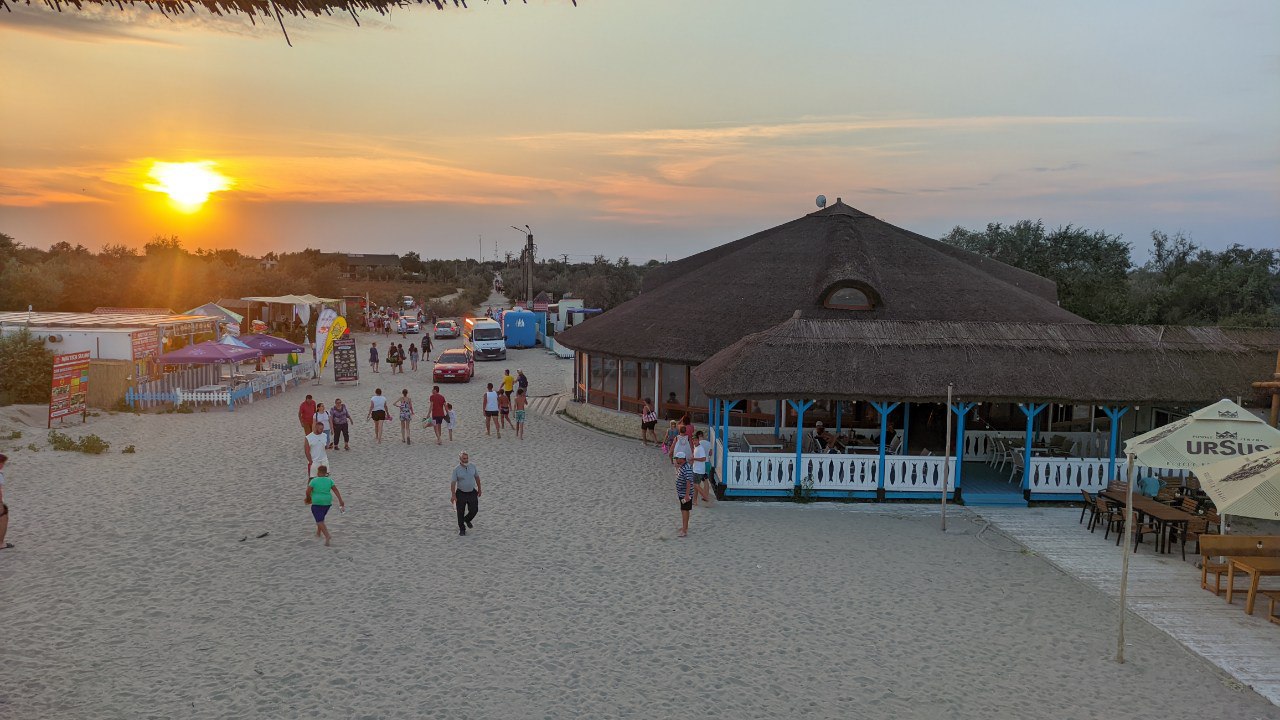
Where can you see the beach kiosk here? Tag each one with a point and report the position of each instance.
(520, 327)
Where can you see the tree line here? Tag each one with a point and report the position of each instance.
(1181, 283)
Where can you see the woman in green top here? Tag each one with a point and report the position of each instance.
(320, 494)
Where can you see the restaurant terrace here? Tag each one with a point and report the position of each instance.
(840, 319)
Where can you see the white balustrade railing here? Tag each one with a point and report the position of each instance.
(1068, 476)
(1071, 475)
(841, 472)
(913, 473)
(761, 471)
(221, 397)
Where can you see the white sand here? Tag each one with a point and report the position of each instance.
(131, 595)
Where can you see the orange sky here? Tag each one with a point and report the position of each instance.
(642, 129)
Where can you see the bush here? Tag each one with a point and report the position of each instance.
(15, 435)
(28, 369)
(129, 450)
(90, 444)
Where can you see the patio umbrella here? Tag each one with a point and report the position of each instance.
(209, 352)
(270, 344)
(232, 341)
(1223, 430)
(1248, 486)
(1220, 431)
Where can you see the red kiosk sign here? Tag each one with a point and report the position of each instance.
(70, 385)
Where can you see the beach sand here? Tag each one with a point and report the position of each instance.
(139, 587)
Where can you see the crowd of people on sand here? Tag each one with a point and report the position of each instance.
(397, 355)
(688, 449)
(328, 428)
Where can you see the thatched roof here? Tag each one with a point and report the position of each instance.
(1000, 362)
(693, 308)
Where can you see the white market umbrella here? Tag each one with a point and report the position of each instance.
(1248, 486)
(1221, 431)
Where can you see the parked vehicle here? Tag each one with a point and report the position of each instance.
(408, 325)
(484, 338)
(456, 365)
(408, 302)
(447, 329)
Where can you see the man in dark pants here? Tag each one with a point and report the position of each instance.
(464, 492)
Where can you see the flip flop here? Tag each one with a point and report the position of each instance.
(6, 546)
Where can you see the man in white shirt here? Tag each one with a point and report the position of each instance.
(491, 411)
(314, 446)
(700, 470)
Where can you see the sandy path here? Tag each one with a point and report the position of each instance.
(132, 595)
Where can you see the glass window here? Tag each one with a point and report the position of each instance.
(605, 391)
(675, 390)
(647, 379)
(848, 298)
(630, 385)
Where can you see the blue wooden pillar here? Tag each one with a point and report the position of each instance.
(961, 410)
(799, 407)
(777, 418)
(906, 425)
(713, 407)
(839, 407)
(884, 409)
(1031, 411)
(1114, 413)
(723, 415)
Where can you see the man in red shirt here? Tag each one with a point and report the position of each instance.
(307, 414)
(438, 411)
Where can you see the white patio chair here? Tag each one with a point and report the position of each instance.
(1018, 463)
(895, 444)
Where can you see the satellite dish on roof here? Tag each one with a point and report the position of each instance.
(822, 201)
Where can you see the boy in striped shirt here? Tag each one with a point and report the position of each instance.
(684, 491)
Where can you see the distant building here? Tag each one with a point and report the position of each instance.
(368, 265)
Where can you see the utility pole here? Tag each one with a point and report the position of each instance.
(527, 257)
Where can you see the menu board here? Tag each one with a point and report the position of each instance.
(146, 348)
(70, 385)
(346, 368)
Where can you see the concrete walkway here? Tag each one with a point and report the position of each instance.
(1164, 590)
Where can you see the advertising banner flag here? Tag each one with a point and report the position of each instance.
(336, 330)
(323, 323)
(70, 385)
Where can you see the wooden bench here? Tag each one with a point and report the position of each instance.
(1274, 597)
(1223, 546)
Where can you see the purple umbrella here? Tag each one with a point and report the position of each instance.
(209, 352)
(270, 344)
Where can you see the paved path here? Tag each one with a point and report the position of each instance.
(1164, 590)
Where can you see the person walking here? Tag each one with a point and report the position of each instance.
(682, 443)
(378, 413)
(504, 410)
(522, 382)
(313, 446)
(684, 491)
(426, 346)
(450, 419)
(321, 491)
(648, 423)
(439, 413)
(520, 404)
(465, 492)
(322, 416)
(490, 407)
(340, 418)
(669, 442)
(700, 474)
(413, 356)
(402, 355)
(307, 414)
(406, 416)
(373, 357)
(4, 509)
(508, 382)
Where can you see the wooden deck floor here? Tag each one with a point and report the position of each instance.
(1163, 590)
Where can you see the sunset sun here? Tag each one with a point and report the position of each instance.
(188, 184)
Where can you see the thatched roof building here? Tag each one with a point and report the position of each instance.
(837, 262)
(996, 362)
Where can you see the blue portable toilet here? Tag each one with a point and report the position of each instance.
(520, 327)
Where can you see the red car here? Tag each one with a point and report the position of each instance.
(455, 365)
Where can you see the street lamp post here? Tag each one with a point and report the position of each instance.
(528, 264)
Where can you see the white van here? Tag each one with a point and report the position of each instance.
(483, 337)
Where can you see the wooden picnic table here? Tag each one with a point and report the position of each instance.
(1164, 515)
(1255, 566)
(761, 441)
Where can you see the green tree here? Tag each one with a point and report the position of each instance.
(1090, 267)
(28, 369)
